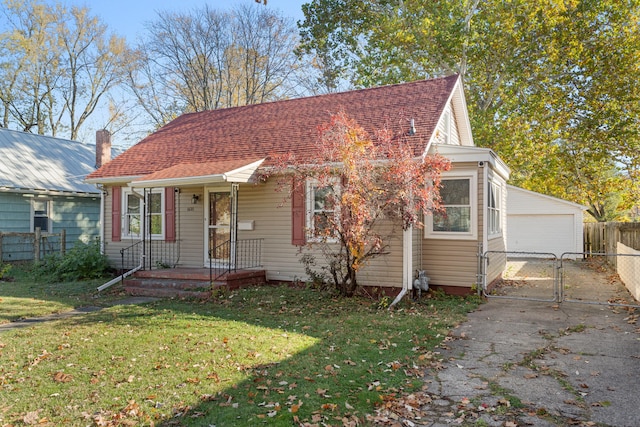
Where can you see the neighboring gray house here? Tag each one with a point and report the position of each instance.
(42, 185)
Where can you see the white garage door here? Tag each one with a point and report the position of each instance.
(541, 233)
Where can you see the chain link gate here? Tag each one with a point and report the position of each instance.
(527, 276)
(604, 279)
(600, 278)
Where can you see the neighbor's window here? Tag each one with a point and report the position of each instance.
(494, 210)
(133, 211)
(458, 217)
(41, 215)
(322, 211)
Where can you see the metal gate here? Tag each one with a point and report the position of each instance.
(520, 275)
(587, 278)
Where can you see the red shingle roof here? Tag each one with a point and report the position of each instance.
(290, 126)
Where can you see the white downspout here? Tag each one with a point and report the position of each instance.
(407, 264)
(101, 219)
(485, 207)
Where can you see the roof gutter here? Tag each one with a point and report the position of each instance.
(112, 180)
(35, 191)
(176, 182)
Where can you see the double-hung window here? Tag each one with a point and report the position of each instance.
(494, 209)
(322, 211)
(137, 215)
(132, 214)
(457, 218)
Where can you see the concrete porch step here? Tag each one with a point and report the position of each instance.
(188, 283)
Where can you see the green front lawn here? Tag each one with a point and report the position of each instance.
(259, 356)
(21, 297)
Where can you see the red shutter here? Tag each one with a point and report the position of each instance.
(170, 214)
(116, 213)
(298, 233)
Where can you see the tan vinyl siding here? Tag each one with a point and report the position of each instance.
(454, 133)
(497, 243)
(387, 269)
(498, 260)
(271, 212)
(451, 262)
(190, 232)
(454, 262)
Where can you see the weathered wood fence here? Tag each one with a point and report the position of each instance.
(38, 243)
(603, 237)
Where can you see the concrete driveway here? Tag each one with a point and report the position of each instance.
(529, 363)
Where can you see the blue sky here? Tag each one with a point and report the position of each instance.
(128, 17)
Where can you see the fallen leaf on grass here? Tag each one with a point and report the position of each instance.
(61, 377)
(31, 418)
(322, 392)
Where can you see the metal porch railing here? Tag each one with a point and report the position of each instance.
(226, 257)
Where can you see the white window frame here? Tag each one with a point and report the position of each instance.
(494, 213)
(472, 234)
(126, 233)
(49, 205)
(310, 191)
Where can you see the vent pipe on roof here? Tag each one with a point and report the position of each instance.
(412, 129)
(103, 147)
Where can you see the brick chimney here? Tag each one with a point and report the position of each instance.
(103, 147)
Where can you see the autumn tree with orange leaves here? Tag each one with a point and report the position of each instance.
(370, 184)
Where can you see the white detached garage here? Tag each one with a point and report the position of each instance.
(540, 223)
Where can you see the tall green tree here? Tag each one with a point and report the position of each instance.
(551, 85)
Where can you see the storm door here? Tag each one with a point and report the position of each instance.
(222, 227)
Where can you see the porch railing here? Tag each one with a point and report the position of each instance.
(130, 256)
(158, 254)
(224, 258)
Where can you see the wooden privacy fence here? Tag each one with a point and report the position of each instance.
(603, 237)
(37, 244)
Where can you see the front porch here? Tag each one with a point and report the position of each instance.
(197, 283)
